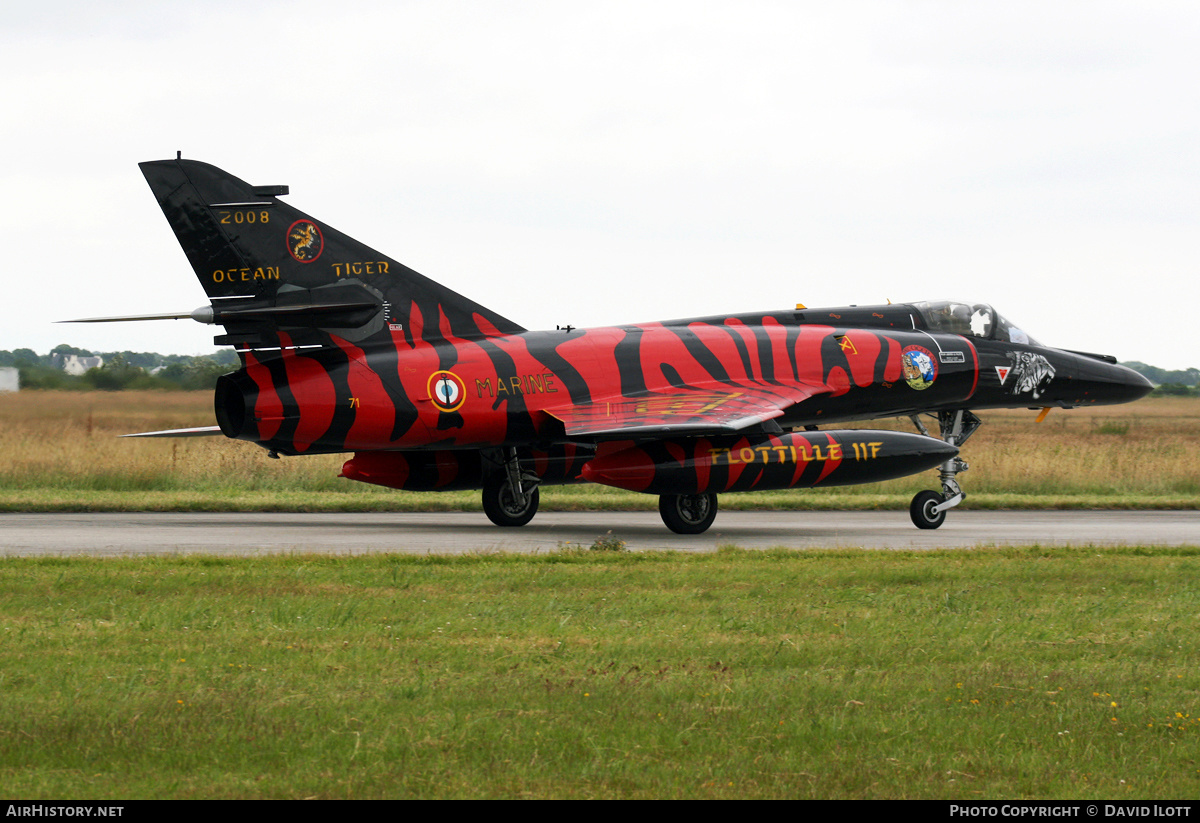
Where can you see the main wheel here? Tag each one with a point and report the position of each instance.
(505, 507)
(688, 513)
(921, 510)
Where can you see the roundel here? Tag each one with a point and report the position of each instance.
(919, 367)
(304, 241)
(447, 390)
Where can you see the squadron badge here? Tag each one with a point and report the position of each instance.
(304, 241)
(919, 367)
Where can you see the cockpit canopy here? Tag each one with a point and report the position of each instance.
(971, 320)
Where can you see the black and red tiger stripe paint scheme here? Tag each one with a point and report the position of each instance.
(346, 350)
(606, 384)
(436, 471)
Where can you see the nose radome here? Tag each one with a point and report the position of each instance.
(1094, 381)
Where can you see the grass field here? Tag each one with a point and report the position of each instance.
(985, 674)
(61, 451)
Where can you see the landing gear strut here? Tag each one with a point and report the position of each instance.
(928, 508)
(510, 497)
(688, 513)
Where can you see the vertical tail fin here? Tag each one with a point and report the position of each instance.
(268, 267)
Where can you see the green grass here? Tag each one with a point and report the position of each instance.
(355, 497)
(993, 673)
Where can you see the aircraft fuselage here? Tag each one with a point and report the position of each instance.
(512, 389)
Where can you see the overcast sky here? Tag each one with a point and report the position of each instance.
(609, 162)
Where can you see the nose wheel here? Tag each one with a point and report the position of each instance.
(928, 508)
(925, 510)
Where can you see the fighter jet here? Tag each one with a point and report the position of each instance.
(344, 349)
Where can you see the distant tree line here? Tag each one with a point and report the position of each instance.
(121, 370)
(150, 370)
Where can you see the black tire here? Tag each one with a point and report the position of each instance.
(688, 513)
(503, 508)
(921, 510)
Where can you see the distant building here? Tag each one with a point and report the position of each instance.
(10, 379)
(76, 365)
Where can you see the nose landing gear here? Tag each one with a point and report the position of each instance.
(928, 508)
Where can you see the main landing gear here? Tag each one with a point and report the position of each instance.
(688, 513)
(928, 508)
(510, 496)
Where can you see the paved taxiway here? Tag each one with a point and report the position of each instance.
(455, 532)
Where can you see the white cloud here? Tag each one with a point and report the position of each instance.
(620, 161)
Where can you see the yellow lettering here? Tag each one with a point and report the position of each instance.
(359, 267)
(717, 402)
(240, 217)
(835, 451)
(866, 451)
(354, 402)
(526, 384)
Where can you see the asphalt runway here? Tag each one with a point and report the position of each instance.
(124, 534)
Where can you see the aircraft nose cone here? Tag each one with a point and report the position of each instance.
(1111, 383)
(1128, 385)
(1139, 384)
